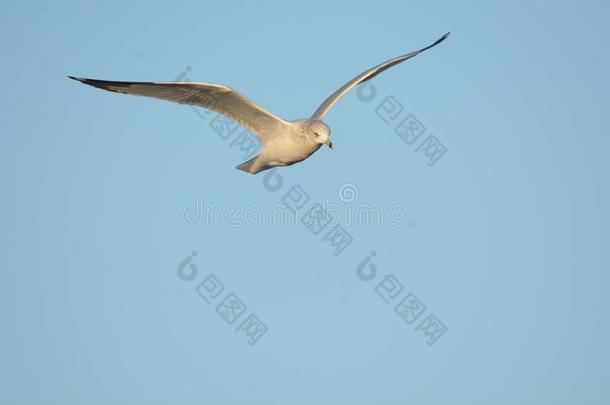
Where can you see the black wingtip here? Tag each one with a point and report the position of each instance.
(79, 79)
(438, 41)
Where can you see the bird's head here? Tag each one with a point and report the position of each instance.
(320, 132)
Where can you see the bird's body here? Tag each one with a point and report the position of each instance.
(301, 139)
(285, 142)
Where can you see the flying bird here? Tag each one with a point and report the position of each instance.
(285, 142)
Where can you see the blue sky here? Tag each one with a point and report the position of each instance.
(500, 242)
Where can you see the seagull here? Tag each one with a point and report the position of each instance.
(285, 142)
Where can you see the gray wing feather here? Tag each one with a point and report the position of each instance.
(221, 99)
(369, 74)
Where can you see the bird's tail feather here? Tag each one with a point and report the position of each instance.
(249, 166)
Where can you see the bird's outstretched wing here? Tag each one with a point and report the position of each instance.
(214, 97)
(369, 74)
